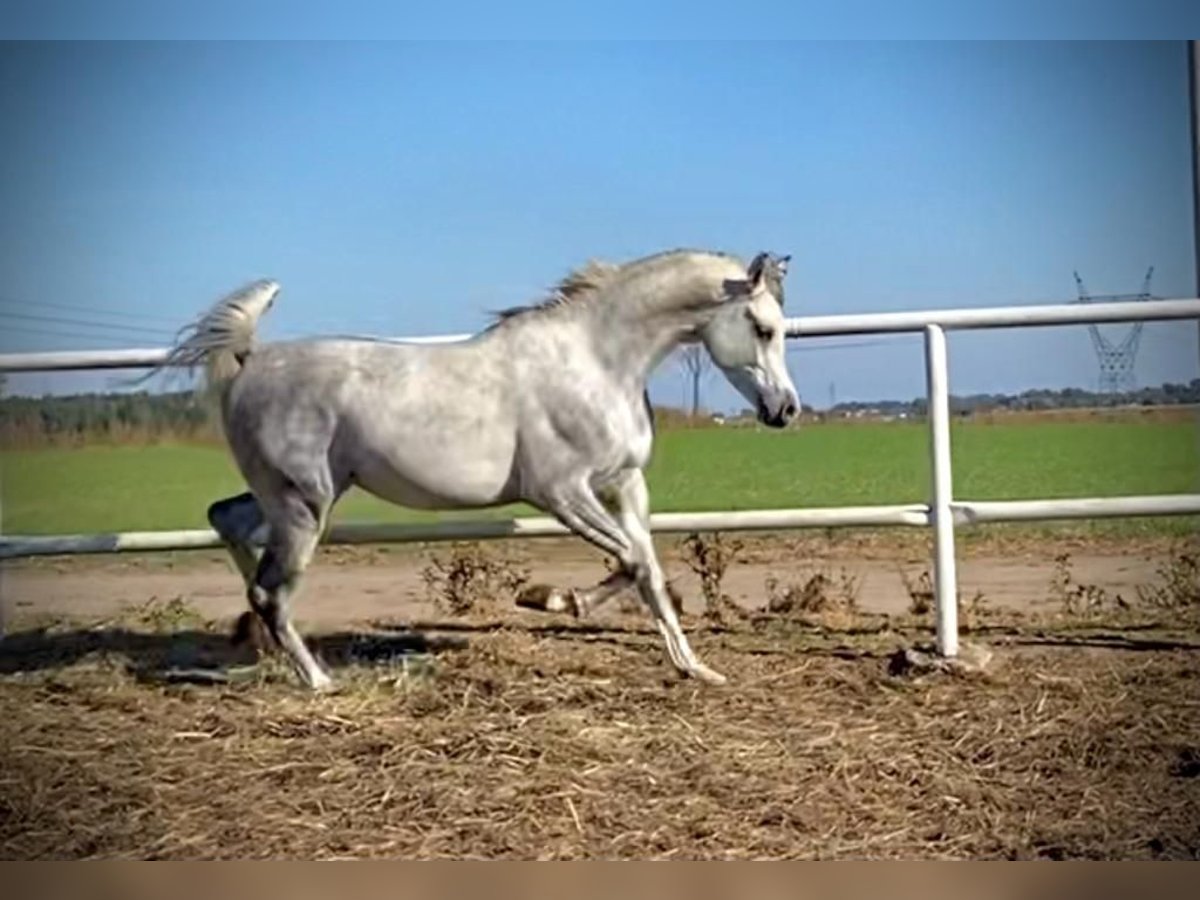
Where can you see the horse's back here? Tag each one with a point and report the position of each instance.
(420, 425)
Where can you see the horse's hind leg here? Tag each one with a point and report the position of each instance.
(239, 522)
(296, 523)
(580, 602)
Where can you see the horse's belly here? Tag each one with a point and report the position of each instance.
(435, 484)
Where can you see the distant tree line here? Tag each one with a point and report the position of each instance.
(1166, 394)
(80, 418)
(146, 417)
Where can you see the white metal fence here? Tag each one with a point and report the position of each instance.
(943, 512)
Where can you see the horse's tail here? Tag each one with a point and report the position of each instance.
(223, 337)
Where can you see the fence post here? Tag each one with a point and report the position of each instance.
(945, 580)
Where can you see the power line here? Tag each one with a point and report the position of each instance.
(91, 310)
(110, 338)
(846, 345)
(87, 323)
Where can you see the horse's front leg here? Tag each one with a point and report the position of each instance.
(634, 518)
(582, 602)
(627, 537)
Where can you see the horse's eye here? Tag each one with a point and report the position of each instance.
(764, 333)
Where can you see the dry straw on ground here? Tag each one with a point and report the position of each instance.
(547, 738)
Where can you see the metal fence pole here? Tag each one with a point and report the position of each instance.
(1193, 60)
(945, 580)
(1193, 54)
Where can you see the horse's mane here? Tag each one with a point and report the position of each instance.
(582, 282)
(588, 280)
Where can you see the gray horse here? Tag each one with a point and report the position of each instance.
(546, 406)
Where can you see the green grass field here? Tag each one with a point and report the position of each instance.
(169, 486)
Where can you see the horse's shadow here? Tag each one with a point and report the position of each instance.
(203, 656)
(208, 656)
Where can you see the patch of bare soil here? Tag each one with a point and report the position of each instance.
(357, 584)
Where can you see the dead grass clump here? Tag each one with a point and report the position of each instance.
(1175, 593)
(821, 596)
(473, 580)
(1079, 600)
(922, 600)
(165, 616)
(1178, 588)
(710, 557)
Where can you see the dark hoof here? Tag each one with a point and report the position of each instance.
(249, 630)
(545, 598)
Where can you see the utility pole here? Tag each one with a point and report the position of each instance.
(695, 362)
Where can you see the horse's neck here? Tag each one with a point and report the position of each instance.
(631, 343)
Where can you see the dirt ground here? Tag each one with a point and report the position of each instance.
(348, 585)
(508, 733)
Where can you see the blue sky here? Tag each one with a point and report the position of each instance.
(614, 19)
(408, 188)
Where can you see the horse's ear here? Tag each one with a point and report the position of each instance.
(757, 270)
(766, 266)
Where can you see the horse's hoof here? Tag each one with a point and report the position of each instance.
(576, 606)
(544, 598)
(320, 683)
(708, 676)
(243, 629)
(249, 630)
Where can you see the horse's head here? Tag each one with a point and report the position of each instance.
(746, 340)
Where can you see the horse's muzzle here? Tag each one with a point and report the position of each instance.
(781, 415)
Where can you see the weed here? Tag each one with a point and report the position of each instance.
(172, 615)
(922, 599)
(819, 592)
(473, 580)
(1077, 599)
(829, 599)
(710, 558)
(920, 592)
(977, 609)
(1179, 585)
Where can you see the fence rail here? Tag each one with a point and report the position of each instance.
(943, 513)
(963, 512)
(797, 327)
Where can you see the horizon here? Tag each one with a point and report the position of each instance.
(408, 189)
(733, 410)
